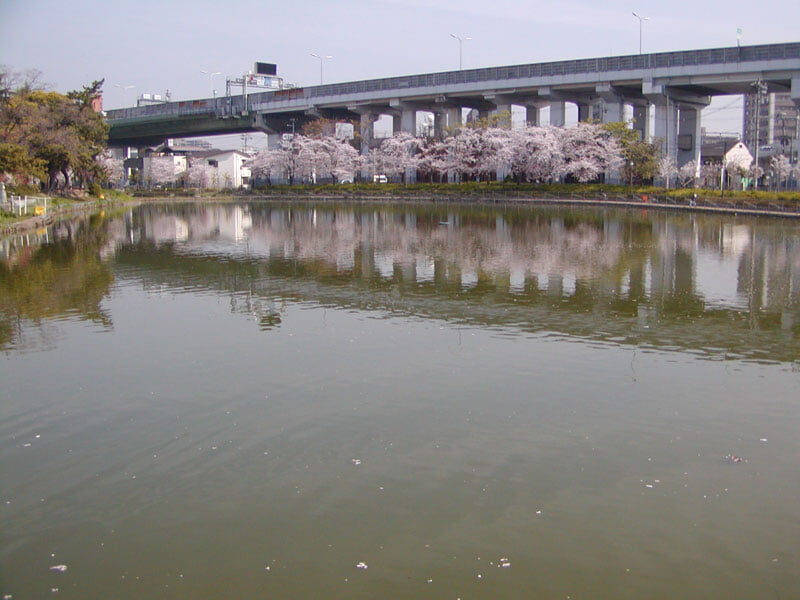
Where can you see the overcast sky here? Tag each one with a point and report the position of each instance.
(165, 44)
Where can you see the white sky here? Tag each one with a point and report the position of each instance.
(165, 44)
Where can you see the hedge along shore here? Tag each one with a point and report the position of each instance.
(654, 203)
(701, 205)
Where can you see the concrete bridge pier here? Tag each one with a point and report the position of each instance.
(585, 112)
(641, 121)
(611, 105)
(558, 113)
(533, 114)
(367, 130)
(439, 123)
(500, 116)
(557, 104)
(454, 120)
(689, 135)
(408, 117)
(666, 127)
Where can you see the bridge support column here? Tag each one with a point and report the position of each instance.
(689, 135)
(439, 123)
(367, 130)
(611, 107)
(558, 113)
(613, 111)
(666, 127)
(584, 112)
(453, 117)
(641, 121)
(408, 120)
(533, 115)
(500, 115)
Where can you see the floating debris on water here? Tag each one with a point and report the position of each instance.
(356, 461)
(59, 568)
(763, 440)
(732, 458)
(505, 563)
(362, 565)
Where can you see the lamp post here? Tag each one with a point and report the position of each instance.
(211, 79)
(460, 48)
(124, 89)
(641, 20)
(321, 60)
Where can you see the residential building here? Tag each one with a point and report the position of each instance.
(224, 168)
(776, 120)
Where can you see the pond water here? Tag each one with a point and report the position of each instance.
(331, 400)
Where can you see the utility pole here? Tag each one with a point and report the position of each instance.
(761, 88)
(460, 48)
(641, 20)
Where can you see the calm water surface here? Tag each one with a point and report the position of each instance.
(389, 401)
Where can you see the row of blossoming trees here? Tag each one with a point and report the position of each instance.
(534, 154)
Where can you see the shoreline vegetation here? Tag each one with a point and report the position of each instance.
(763, 203)
(60, 207)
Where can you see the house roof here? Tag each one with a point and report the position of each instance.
(215, 152)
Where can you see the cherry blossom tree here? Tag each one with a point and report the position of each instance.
(200, 174)
(687, 174)
(589, 150)
(781, 167)
(710, 175)
(536, 153)
(344, 160)
(269, 162)
(495, 152)
(434, 158)
(667, 168)
(114, 167)
(161, 171)
(399, 154)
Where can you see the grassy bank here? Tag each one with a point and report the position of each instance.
(58, 207)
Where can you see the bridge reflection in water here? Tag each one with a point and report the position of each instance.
(718, 286)
(723, 287)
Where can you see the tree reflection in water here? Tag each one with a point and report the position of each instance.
(720, 286)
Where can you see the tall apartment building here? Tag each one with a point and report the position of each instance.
(777, 124)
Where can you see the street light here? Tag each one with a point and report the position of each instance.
(460, 48)
(124, 89)
(211, 79)
(321, 60)
(641, 20)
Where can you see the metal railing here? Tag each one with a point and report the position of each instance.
(24, 205)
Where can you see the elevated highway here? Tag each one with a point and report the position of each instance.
(670, 88)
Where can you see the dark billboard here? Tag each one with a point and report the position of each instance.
(263, 68)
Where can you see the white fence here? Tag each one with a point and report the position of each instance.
(23, 205)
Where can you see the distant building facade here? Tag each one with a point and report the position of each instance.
(775, 119)
(226, 168)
